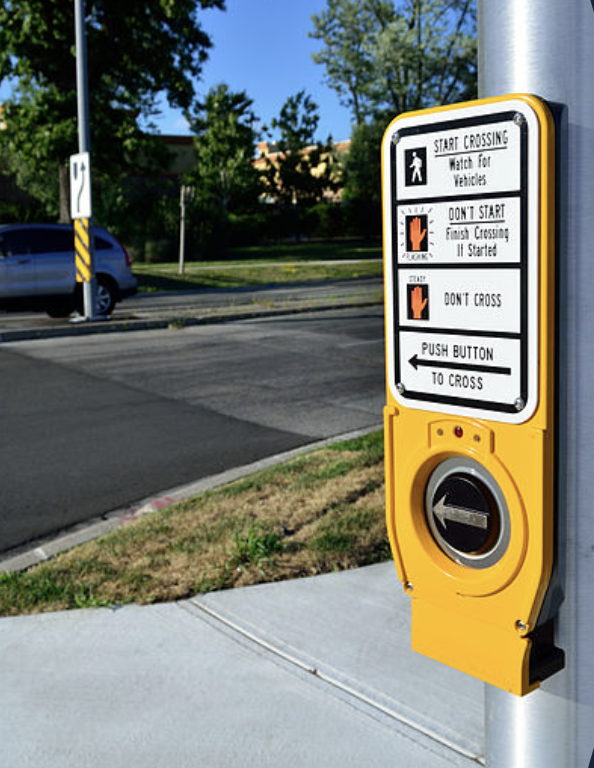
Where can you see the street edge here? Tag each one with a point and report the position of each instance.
(44, 549)
(176, 322)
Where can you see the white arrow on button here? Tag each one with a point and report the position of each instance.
(443, 513)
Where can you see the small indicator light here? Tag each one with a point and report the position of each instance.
(458, 431)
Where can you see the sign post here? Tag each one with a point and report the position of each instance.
(186, 194)
(469, 246)
(545, 47)
(80, 173)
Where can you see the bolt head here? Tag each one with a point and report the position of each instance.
(395, 138)
(519, 118)
(519, 404)
(400, 388)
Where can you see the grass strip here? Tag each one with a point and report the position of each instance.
(320, 512)
(312, 250)
(269, 265)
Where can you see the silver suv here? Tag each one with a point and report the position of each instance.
(37, 269)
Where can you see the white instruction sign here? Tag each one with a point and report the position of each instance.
(461, 212)
(80, 186)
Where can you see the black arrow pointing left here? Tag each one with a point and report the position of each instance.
(415, 362)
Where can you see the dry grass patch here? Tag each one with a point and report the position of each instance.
(323, 511)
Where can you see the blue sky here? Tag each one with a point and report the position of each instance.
(262, 47)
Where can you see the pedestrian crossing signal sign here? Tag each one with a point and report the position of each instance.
(470, 445)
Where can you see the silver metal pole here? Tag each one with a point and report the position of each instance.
(182, 230)
(546, 47)
(84, 140)
(84, 133)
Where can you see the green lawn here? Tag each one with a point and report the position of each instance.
(265, 266)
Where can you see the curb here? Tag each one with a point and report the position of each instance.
(41, 550)
(175, 321)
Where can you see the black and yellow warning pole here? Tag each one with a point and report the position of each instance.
(82, 250)
(80, 173)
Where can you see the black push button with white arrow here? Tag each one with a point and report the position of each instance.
(465, 514)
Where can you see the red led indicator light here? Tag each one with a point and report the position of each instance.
(458, 431)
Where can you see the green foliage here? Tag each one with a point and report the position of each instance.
(135, 52)
(338, 535)
(303, 168)
(224, 143)
(397, 55)
(227, 185)
(236, 274)
(143, 212)
(256, 546)
(299, 169)
(328, 220)
(347, 29)
(384, 57)
(362, 177)
(25, 591)
(369, 447)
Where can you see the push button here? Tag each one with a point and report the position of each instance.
(467, 513)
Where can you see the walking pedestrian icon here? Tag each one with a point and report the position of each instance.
(415, 161)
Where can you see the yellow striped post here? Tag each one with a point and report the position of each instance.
(82, 250)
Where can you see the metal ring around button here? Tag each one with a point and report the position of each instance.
(471, 469)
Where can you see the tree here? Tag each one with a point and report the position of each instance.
(362, 177)
(346, 29)
(225, 140)
(301, 169)
(385, 55)
(227, 184)
(136, 51)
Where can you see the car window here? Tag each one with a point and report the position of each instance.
(36, 241)
(51, 240)
(101, 244)
(13, 243)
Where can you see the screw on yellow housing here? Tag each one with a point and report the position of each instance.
(475, 608)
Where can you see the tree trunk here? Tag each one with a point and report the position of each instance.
(64, 178)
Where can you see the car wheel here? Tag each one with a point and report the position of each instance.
(105, 297)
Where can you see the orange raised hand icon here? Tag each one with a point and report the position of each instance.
(417, 302)
(415, 234)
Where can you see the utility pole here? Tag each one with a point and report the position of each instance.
(186, 194)
(85, 272)
(546, 47)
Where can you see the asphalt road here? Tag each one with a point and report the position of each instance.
(92, 424)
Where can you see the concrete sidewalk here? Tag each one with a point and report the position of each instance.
(312, 672)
